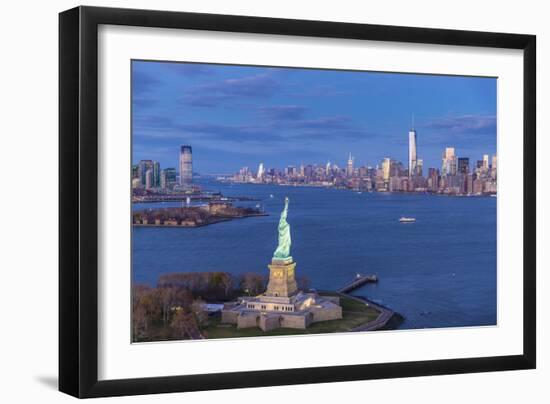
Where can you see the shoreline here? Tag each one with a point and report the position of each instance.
(386, 317)
(179, 226)
(183, 198)
(486, 195)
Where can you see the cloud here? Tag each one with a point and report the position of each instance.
(143, 102)
(465, 124)
(159, 127)
(153, 122)
(290, 128)
(321, 91)
(283, 112)
(143, 83)
(231, 90)
(191, 69)
(233, 133)
(327, 122)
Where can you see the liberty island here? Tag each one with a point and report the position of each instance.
(282, 305)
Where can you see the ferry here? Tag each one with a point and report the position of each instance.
(407, 219)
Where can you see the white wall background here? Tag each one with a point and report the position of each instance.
(28, 198)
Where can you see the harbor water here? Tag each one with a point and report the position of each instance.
(439, 271)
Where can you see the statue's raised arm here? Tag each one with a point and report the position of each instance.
(283, 249)
(284, 213)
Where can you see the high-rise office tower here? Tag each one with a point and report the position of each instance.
(170, 176)
(479, 167)
(485, 167)
(308, 171)
(163, 181)
(349, 169)
(419, 167)
(449, 162)
(261, 172)
(135, 171)
(167, 178)
(149, 179)
(494, 167)
(156, 174)
(327, 169)
(386, 165)
(186, 165)
(412, 152)
(143, 166)
(463, 165)
(433, 179)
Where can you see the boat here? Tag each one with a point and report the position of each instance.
(271, 195)
(407, 219)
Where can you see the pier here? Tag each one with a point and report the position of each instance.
(357, 282)
(385, 314)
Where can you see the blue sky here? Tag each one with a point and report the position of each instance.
(237, 116)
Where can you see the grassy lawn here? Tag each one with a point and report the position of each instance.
(354, 314)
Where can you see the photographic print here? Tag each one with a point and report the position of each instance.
(272, 201)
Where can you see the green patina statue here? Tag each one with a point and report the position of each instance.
(283, 249)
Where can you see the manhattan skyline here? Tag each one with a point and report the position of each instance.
(237, 115)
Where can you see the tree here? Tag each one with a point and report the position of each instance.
(198, 308)
(184, 325)
(227, 283)
(167, 296)
(253, 283)
(183, 298)
(180, 323)
(140, 322)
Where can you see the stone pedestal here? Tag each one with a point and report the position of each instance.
(282, 281)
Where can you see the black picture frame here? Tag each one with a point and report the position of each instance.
(78, 200)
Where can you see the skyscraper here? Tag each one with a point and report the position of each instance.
(494, 167)
(308, 171)
(386, 165)
(261, 172)
(135, 171)
(463, 165)
(149, 179)
(156, 174)
(485, 168)
(143, 166)
(167, 178)
(349, 169)
(186, 165)
(449, 163)
(290, 171)
(163, 181)
(419, 167)
(412, 152)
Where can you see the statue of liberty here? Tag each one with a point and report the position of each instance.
(283, 249)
